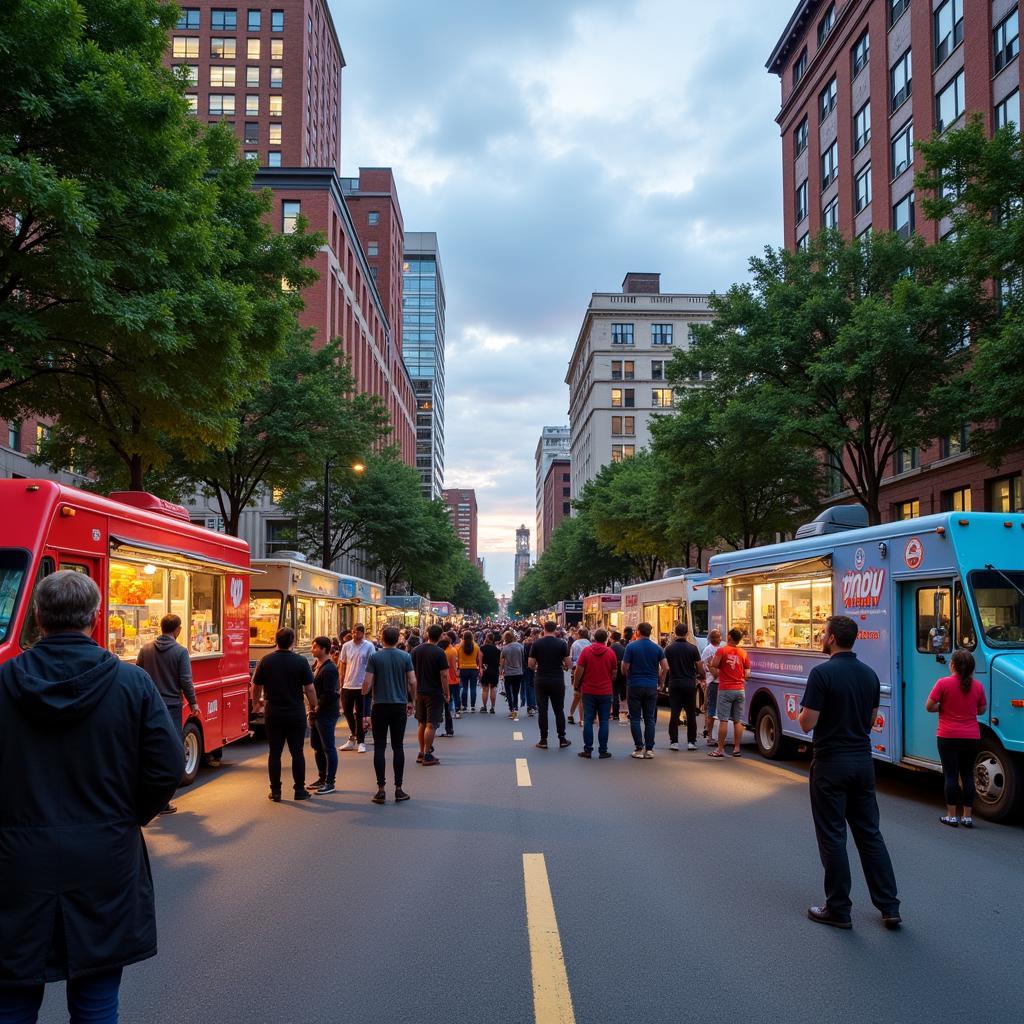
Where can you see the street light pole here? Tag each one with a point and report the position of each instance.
(326, 560)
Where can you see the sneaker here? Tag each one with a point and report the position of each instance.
(892, 920)
(584, 753)
(170, 809)
(350, 745)
(379, 797)
(543, 745)
(967, 822)
(952, 822)
(563, 743)
(448, 734)
(276, 797)
(303, 795)
(361, 748)
(458, 714)
(327, 787)
(648, 755)
(529, 714)
(604, 754)
(515, 718)
(400, 795)
(429, 761)
(673, 746)
(492, 711)
(691, 746)
(570, 720)
(314, 786)
(638, 754)
(472, 710)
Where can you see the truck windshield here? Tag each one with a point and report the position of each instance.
(999, 598)
(13, 566)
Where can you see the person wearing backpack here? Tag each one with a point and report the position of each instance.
(594, 679)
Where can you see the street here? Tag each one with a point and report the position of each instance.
(679, 885)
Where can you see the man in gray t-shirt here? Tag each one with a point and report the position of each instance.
(392, 681)
(513, 664)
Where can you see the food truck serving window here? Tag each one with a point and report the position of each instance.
(140, 594)
(13, 568)
(264, 615)
(785, 613)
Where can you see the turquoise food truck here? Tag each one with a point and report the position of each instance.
(918, 589)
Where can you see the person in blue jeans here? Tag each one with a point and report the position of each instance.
(593, 680)
(91, 1000)
(645, 666)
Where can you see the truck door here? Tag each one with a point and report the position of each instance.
(927, 642)
(90, 567)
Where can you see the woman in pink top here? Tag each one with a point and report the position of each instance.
(958, 699)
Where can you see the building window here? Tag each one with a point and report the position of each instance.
(274, 134)
(274, 158)
(222, 49)
(801, 201)
(862, 127)
(252, 77)
(1005, 495)
(827, 99)
(903, 150)
(279, 536)
(42, 436)
(803, 241)
(253, 21)
(277, 21)
(1006, 112)
(900, 81)
(949, 104)
(222, 103)
(14, 436)
(565, 508)
(185, 46)
(658, 369)
(622, 334)
(372, 249)
(896, 8)
(277, 49)
(193, 103)
(189, 74)
(829, 165)
(622, 369)
(222, 76)
(373, 218)
(800, 66)
(276, 78)
(958, 500)
(618, 425)
(1006, 40)
(955, 443)
(252, 106)
(616, 398)
(276, 105)
(800, 137)
(252, 49)
(252, 133)
(222, 20)
(629, 398)
(188, 18)
(862, 189)
(661, 398)
(623, 451)
(830, 215)
(661, 334)
(907, 509)
(903, 216)
(905, 460)
(290, 210)
(949, 28)
(826, 23)
(860, 53)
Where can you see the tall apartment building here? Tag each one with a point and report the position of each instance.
(522, 563)
(273, 72)
(462, 509)
(423, 314)
(617, 372)
(556, 497)
(552, 444)
(861, 80)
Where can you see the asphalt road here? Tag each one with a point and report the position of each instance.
(679, 886)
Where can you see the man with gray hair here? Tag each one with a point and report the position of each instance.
(90, 755)
(167, 663)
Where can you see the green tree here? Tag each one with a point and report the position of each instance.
(528, 597)
(576, 563)
(851, 343)
(471, 591)
(140, 288)
(978, 183)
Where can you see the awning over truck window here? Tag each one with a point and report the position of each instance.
(803, 567)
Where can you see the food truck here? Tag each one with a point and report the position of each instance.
(918, 589)
(602, 611)
(569, 613)
(676, 597)
(149, 560)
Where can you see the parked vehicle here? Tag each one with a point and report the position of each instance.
(602, 611)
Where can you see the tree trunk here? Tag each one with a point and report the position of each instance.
(136, 475)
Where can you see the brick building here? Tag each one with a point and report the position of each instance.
(556, 497)
(861, 80)
(462, 509)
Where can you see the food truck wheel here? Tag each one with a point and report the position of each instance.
(768, 733)
(192, 740)
(997, 778)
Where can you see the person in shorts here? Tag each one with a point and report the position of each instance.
(733, 667)
(710, 684)
(431, 665)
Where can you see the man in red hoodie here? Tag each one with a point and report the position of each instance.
(594, 678)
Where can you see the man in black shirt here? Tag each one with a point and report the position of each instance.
(549, 659)
(286, 677)
(323, 724)
(431, 665)
(841, 704)
(684, 669)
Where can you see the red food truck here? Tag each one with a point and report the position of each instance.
(149, 560)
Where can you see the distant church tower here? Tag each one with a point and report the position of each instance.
(522, 552)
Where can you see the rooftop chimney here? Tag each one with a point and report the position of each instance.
(641, 284)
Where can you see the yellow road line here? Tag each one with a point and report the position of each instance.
(523, 772)
(552, 1001)
(517, 736)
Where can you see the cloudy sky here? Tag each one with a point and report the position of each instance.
(555, 145)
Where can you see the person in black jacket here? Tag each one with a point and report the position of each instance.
(89, 755)
(167, 663)
(324, 721)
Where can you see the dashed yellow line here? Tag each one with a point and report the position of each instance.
(523, 772)
(552, 1001)
(518, 736)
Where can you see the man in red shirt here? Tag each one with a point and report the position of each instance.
(733, 667)
(594, 678)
